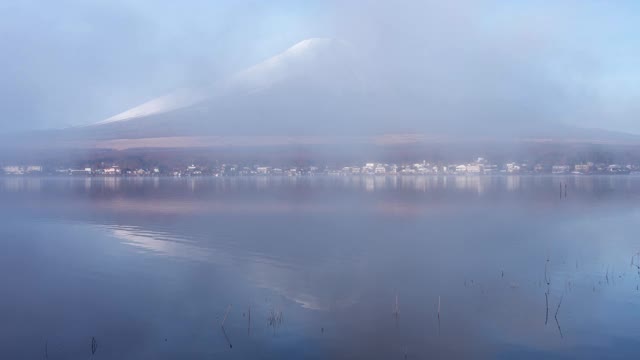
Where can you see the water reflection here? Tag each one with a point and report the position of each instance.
(16, 184)
(473, 262)
(474, 184)
(162, 243)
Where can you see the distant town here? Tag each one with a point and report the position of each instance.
(480, 166)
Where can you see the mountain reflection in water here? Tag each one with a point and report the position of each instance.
(148, 266)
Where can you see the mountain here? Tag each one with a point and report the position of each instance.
(307, 89)
(318, 92)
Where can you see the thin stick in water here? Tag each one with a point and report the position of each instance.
(547, 279)
(227, 338)
(558, 309)
(556, 317)
(546, 318)
(94, 346)
(438, 314)
(225, 315)
(559, 329)
(560, 190)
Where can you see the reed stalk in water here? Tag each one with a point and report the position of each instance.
(546, 299)
(556, 317)
(94, 346)
(225, 315)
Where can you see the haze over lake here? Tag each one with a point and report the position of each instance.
(371, 267)
(319, 179)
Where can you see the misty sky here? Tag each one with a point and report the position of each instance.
(72, 62)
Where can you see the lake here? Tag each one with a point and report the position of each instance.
(406, 267)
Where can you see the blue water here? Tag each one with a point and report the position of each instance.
(148, 267)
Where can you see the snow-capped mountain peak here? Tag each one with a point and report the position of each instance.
(300, 58)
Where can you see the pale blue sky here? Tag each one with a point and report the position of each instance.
(73, 62)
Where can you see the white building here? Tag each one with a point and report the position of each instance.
(13, 170)
(474, 169)
(513, 168)
(560, 169)
(79, 172)
(380, 170)
(33, 168)
(21, 170)
(583, 168)
(114, 170)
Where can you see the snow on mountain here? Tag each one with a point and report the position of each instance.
(302, 58)
(318, 52)
(176, 100)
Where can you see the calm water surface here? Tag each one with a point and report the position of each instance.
(320, 268)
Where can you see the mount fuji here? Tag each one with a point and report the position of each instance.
(320, 91)
(309, 89)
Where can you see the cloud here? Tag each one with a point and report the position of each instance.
(447, 62)
(474, 63)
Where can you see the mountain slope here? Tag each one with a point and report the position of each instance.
(320, 87)
(319, 69)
